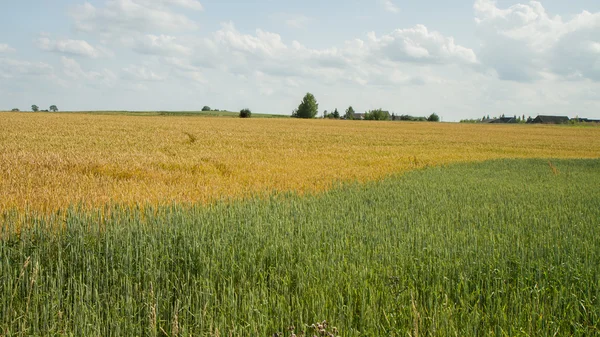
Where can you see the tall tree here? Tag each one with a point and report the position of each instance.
(349, 113)
(53, 108)
(35, 108)
(336, 114)
(308, 108)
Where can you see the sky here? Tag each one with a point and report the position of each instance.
(460, 59)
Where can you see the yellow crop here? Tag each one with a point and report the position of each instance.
(50, 161)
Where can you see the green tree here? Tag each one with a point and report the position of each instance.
(35, 108)
(308, 108)
(377, 115)
(206, 108)
(245, 113)
(15, 110)
(53, 108)
(336, 114)
(349, 113)
(433, 118)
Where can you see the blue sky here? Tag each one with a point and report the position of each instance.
(460, 59)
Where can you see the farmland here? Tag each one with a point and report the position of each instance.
(114, 224)
(465, 250)
(52, 161)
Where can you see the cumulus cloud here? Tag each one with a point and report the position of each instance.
(356, 61)
(4, 48)
(141, 73)
(263, 43)
(73, 70)
(72, 47)
(188, 4)
(142, 16)
(420, 45)
(159, 45)
(525, 43)
(389, 6)
(10, 68)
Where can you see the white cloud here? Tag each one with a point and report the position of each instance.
(356, 61)
(188, 4)
(420, 45)
(141, 73)
(10, 68)
(72, 47)
(263, 44)
(75, 72)
(159, 45)
(4, 48)
(525, 43)
(389, 6)
(143, 16)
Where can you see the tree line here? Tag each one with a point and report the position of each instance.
(36, 108)
(309, 108)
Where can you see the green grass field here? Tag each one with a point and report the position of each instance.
(504, 248)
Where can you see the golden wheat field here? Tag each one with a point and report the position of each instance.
(51, 161)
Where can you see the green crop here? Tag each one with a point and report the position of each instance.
(505, 248)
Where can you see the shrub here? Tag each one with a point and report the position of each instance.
(245, 113)
(433, 118)
(377, 115)
(206, 108)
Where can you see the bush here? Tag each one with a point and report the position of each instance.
(15, 110)
(433, 118)
(245, 113)
(206, 108)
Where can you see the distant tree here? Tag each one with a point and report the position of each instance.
(15, 110)
(325, 114)
(53, 108)
(433, 118)
(308, 108)
(488, 117)
(245, 113)
(35, 108)
(529, 119)
(349, 113)
(336, 114)
(206, 108)
(411, 118)
(378, 115)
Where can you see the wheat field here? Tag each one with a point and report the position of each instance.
(51, 161)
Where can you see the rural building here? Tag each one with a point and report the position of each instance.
(586, 120)
(503, 120)
(550, 120)
(359, 116)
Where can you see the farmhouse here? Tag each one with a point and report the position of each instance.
(503, 120)
(586, 120)
(550, 120)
